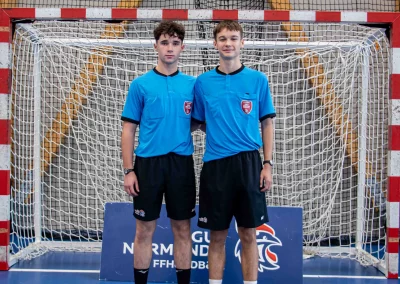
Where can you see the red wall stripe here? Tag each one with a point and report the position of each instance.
(393, 189)
(4, 182)
(124, 13)
(5, 27)
(225, 15)
(4, 233)
(381, 17)
(4, 131)
(276, 15)
(395, 86)
(4, 81)
(394, 137)
(4, 240)
(21, 13)
(327, 16)
(4, 266)
(73, 13)
(392, 240)
(5, 35)
(395, 40)
(4, 18)
(169, 14)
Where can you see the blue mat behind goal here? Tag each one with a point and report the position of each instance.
(279, 244)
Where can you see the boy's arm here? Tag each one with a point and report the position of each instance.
(131, 116)
(131, 185)
(267, 129)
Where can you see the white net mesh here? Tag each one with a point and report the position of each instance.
(329, 84)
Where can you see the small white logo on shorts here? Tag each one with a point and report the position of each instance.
(262, 217)
(193, 210)
(141, 213)
(203, 219)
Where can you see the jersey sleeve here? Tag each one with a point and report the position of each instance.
(267, 109)
(198, 103)
(133, 105)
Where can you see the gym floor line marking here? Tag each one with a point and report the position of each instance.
(98, 271)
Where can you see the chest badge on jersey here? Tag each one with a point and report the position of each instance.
(247, 106)
(187, 107)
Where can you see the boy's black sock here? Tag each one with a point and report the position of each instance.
(140, 275)
(183, 275)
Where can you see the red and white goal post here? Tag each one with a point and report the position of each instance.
(335, 82)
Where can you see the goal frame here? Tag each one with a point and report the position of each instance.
(9, 16)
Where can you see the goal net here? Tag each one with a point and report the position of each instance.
(329, 84)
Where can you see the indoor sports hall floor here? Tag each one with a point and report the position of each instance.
(83, 268)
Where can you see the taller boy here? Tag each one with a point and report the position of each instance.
(231, 100)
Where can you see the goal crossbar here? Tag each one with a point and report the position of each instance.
(259, 44)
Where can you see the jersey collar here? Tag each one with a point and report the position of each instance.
(161, 74)
(232, 73)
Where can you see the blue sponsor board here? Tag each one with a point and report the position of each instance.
(279, 245)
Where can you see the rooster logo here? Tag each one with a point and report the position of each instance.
(266, 239)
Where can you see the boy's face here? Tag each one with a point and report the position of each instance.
(168, 48)
(228, 43)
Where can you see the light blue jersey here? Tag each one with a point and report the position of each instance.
(162, 105)
(232, 106)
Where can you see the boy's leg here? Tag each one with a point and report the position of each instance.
(216, 254)
(143, 250)
(249, 254)
(182, 250)
(180, 199)
(250, 211)
(217, 192)
(147, 207)
(182, 243)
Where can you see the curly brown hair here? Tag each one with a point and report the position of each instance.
(169, 28)
(230, 26)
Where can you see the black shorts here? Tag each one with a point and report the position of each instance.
(231, 187)
(172, 175)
